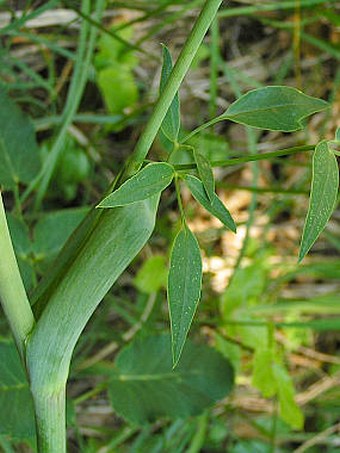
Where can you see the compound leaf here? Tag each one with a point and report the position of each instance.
(19, 154)
(150, 181)
(206, 174)
(184, 287)
(215, 206)
(323, 195)
(276, 108)
(171, 123)
(144, 387)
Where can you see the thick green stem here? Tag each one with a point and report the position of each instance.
(50, 418)
(177, 75)
(13, 296)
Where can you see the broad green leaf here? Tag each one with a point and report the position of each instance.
(16, 414)
(215, 207)
(323, 195)
(263, 375)
(96, 255)
(171, 123)
(206, 174)
(144, 387)
(289, 410)
(19, 154)
(277, 108)
(184, 287)
(150, 181)
(152, 276)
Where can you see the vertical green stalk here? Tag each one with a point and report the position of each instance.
(172, 86)
(13, 296)
(51, 345)
(50, 418)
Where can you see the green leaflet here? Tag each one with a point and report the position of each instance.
(215, 207)
(272, 378)
(143, 386)
(19, 153)
(263, 375)
(276, 108)
(16, 415)
(206, 174)
(323, 195)
(171, 123)
(184, 287)
(83, 275)
(150, 181)
(289, 410)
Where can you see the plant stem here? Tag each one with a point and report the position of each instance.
(249, 158)
(50, 418)
(13, 296)
(172, 86)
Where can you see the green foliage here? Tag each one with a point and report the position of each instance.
(52, 230)
(277, 108)
(206, 174)
(144, 386)
(171, 123)
(184, 287)
(289, 410)
(215, 207)
(152, 276)
(151, 377)
(19, 154)
(72, 169)
(151, 180)
(16, 415)
(323, 195)
(115, 78)
(272, 378)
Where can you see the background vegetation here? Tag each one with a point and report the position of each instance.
(88, 86)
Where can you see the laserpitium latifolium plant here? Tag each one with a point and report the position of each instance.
(115, 231)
